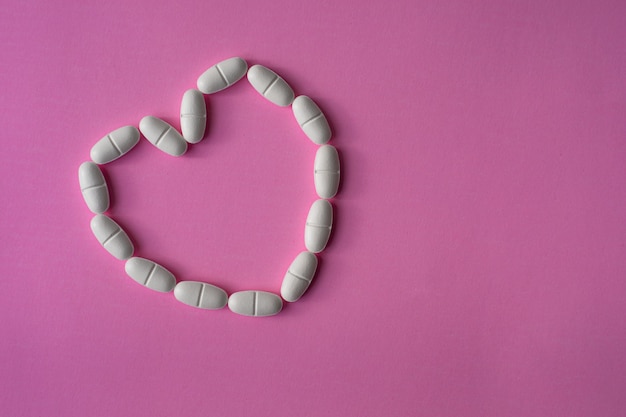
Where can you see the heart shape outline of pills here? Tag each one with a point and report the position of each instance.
(193, 119)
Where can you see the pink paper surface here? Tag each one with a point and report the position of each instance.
(477, 265)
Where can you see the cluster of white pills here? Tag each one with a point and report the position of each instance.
(193, 119)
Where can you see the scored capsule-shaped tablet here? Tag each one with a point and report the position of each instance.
(311, 120)
(94, 187)
(298, 276)
(114, 145)
(162, 135)
(255, 303)
(193, 116)
(326, 171)
(201, 295)
(222, 75)
(150, 274)
(112, 237)
(319, 223)
(270, 85)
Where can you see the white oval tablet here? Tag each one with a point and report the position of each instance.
(193, 116)
(162, 135)
(319, 223)
(311, 120)
(150, 274)
(112, 237)
(298, 276)
(222, 75)
(201, 295)
(255, 303)
(114, 145)
(94, 187)
(270, 85)
(326, 171)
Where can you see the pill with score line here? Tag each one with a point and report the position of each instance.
(193, 116)
(114, 145)
(201, 295)
(162, 135)
(326, 171)
(311, 120)
(299, 276)
(93, 187)
(112, 237)
(150, 274)
(255, 303)
(222, 75)
(318, 226)
(270, 85)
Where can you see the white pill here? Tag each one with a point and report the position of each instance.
(114, 145)
(201, 295)
(150, 274)
(193, 116)
(270, 85)
(222, 75)
(298, 276)
(319, 223)
(94, 187)
(255, 303)
(112, 237)
(162, 135)
(311, 120)
(326, 171)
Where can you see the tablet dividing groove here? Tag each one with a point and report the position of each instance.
(221, 73)
(200, 295)
(312, 119)
(255, 303)
(108, 239)
(270, 85)
(150, 274)
(117, 148)
(165, 132)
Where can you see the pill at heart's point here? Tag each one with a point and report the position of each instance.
(298, 277)
(162, 135)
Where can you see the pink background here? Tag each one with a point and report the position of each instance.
(478, 262)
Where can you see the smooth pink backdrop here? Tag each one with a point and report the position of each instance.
(478, 261)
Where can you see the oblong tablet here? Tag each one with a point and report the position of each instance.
(255, 303)
(150, 274)
(193, 116)
(311, 120)
(326, 171)
(114, 145)
(112, 237)
(270, 85)
(222, 75)
(162, 135)
(201, 295)
(319, 223)
(94, 187)
(298, 276)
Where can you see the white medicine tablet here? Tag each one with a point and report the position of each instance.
(114, 145)
(201, 295)
(255, 303)
(311, 120)
(270, 85)
(326, 171)
(162, 135)
(150, 274)
(193, 116)
(319, 223)
(112, 237)
(298, 276)
(94, 187)
(222, 75)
